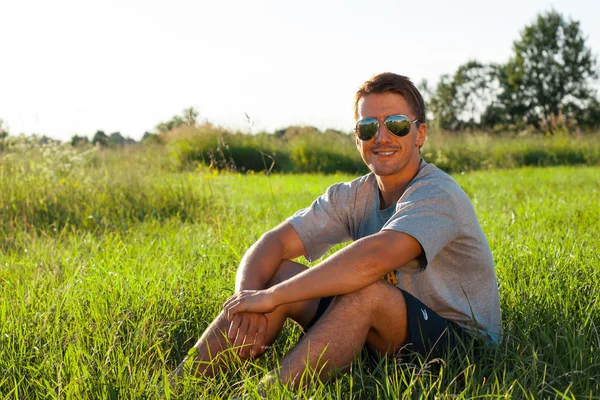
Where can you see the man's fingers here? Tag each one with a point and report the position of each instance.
(233, 327)
(259, 342)
(249, 339)
(241, 332)
(232, 303)
(232, 307)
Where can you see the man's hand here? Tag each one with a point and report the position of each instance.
(248, 330)
(254, 301)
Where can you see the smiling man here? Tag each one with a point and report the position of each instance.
(409, 223)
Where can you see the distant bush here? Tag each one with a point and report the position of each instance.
(468, 152)
(223, 150)
(327, 153)
(296, 149)
(305, 149)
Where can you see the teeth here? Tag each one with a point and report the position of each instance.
(386, 153)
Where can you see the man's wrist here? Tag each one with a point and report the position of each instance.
(277, 295)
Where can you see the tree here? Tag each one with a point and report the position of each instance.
(465, 100)
(46, 140)
(3, 130)
(151, 138)
(588, 116)
(171, 124)
(116, 139)
(425, 89)
(77, 140)
(100, 138)
(189, 118)
(190, 115)
(296, 131)
(549, 74)
(442, 104)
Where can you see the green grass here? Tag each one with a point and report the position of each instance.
(111, 267)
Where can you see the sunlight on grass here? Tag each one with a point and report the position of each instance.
(109, 271)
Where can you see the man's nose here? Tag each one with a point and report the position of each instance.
(383, 135)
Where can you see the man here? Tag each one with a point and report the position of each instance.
(409, 222)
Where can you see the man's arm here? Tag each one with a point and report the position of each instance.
(352, 268)
(263, 258)
(256, 269)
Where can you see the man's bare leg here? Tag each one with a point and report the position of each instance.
(374, 316)
(213, 341)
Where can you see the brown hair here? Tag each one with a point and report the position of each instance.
(389, 82)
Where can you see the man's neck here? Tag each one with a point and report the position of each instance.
(391, 188)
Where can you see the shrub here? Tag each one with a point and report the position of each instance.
(318, 152)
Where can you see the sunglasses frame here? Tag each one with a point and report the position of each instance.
(404, 117)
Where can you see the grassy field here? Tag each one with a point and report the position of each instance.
(109, 271)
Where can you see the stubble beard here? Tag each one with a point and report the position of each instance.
(384, 170)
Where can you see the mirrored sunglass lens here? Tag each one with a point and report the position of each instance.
(398, 125)
(367, 128)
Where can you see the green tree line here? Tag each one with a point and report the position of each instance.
(547, 84)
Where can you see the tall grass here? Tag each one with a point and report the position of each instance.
(469, 152)
(55, 188)
(105, 307)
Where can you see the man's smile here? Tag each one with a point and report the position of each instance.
(384, 152)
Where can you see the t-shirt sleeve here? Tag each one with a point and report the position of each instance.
(325, 223)
(429, 215)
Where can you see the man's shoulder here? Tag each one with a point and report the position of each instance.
(354, 187)
(430, 173)
(431, 178)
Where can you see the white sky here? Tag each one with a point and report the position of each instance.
(72, 67)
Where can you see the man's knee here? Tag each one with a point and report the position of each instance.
(372, 295)
(287, 269)
(384, 307)
(302, 311)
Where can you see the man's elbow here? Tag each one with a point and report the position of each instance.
(393, 249)
(272, 239)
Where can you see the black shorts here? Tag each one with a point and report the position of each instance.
(429, 334)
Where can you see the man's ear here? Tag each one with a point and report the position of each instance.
(421, 134)
(357, 142)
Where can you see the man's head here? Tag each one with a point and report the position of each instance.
(389, 82)
(390, 130)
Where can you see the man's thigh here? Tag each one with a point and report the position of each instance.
(398, 321)
(382, 304)
(390, 326)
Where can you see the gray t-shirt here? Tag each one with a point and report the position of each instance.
(455, 277)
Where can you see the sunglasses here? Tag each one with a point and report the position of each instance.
(398, 125)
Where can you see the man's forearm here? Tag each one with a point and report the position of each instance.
(351, 269)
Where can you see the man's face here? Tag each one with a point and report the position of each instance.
(386, 154)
